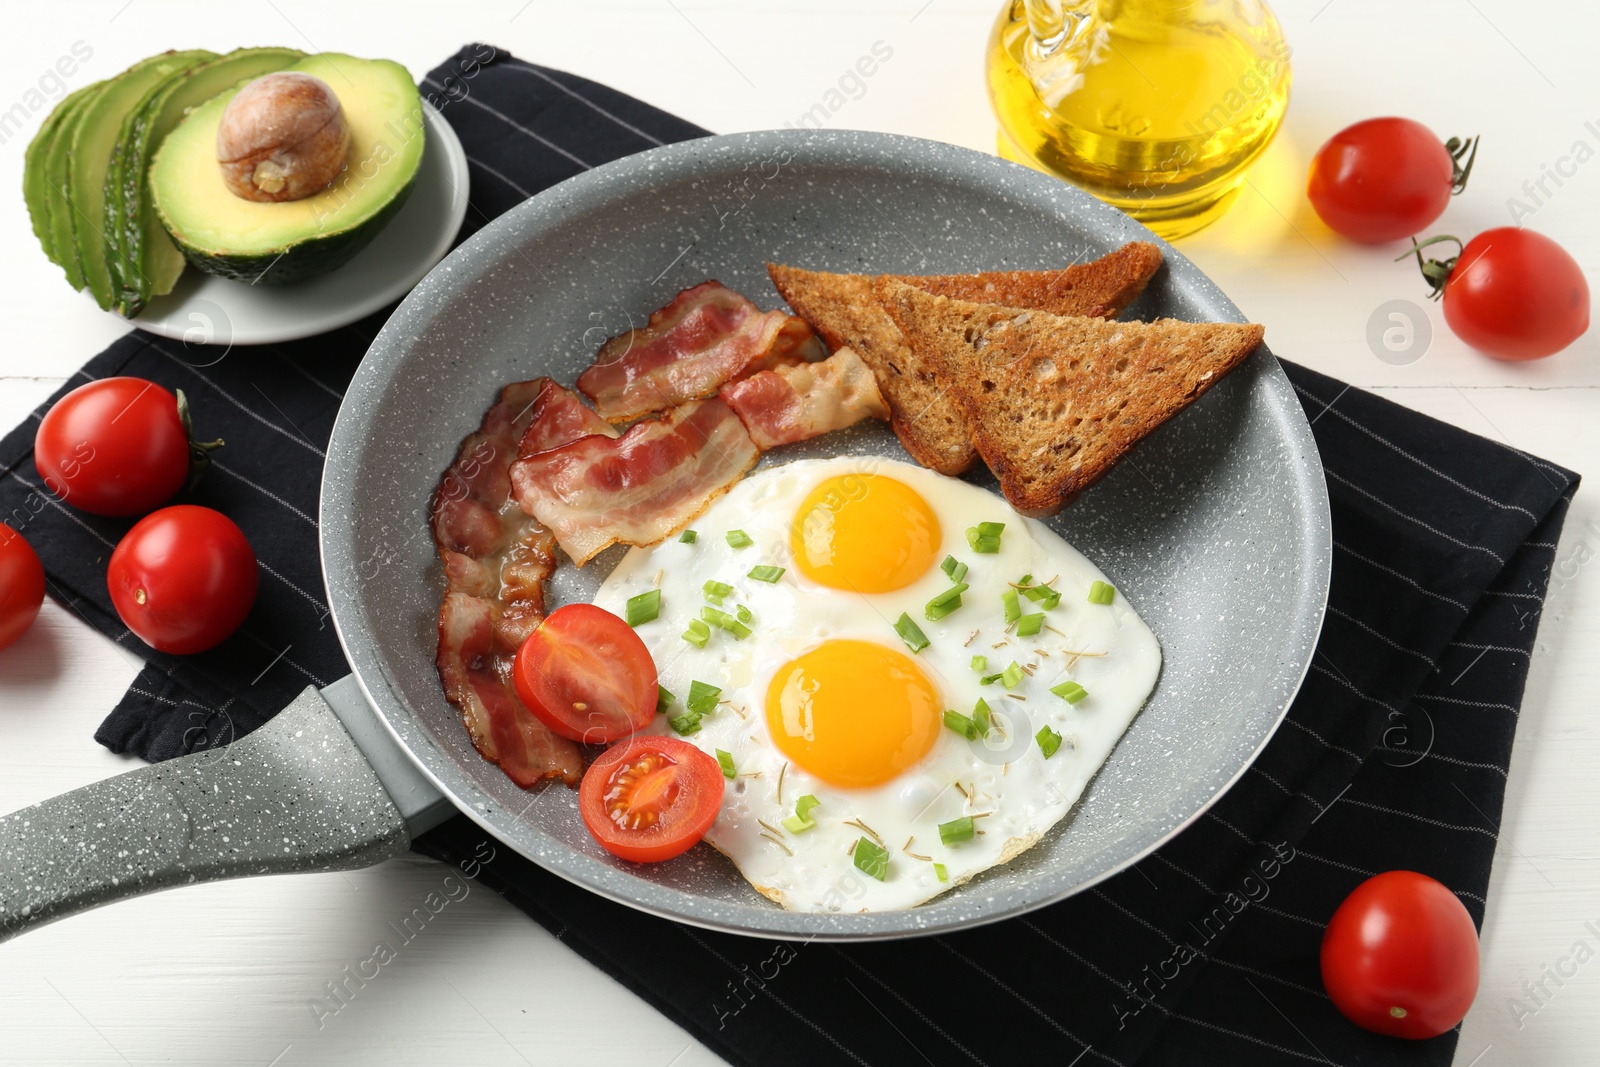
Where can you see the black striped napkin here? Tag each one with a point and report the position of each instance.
(1394, 754)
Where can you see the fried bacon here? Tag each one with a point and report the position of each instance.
(794, 403)
(638, 488)
(496, 559)
(706, 336)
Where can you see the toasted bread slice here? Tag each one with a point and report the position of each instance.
(844, 310)
(1052, 402)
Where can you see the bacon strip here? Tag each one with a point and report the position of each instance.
(636, 489)
(704, 337)
(794, 403)
(496, 560)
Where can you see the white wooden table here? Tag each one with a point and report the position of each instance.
(222, 973)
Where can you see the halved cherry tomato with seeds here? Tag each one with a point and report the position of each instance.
(586, 675)
(650, 798)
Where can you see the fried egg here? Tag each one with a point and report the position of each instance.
(873, 764)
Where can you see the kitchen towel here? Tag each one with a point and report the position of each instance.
(1393, 755)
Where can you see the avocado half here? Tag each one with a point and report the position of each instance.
(274, 243)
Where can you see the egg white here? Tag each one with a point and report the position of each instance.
(1005, 774)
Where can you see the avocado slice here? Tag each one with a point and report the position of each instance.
(63, 220)
(36, 182)
(283, 242)
(145, 262)
(94, 139)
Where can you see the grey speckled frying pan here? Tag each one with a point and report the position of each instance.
(1216, 529)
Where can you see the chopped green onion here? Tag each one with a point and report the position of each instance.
(721, 619)
(989, 679)
(744, 614)
(945, 603)
(980, 663)
(688, 537)
(871, 859)
(685, 724)
(910, 633)
(664, 699)
(801, 820)
(1101, 593)
(1048, 740)
(953, 569)
(702, 697)
(1025, 582)
(646, 607)
(725, 761)
(697, 634)
(985, 537)
(1042, 595)
(981, 717)
(1008, 600)
(739, 539)
(1029, 625)
(1012, 675)
(940, 873)
(1069, 691)
(717, 589)
(957, 830)
(961, 724)
(764, 573)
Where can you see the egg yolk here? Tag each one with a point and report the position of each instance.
(867, 533)
(853, 713)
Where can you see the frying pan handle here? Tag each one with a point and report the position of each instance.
(295, 795)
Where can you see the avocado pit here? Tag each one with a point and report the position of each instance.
(282, 137)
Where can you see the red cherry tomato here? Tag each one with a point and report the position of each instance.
(1400, 956)
(117, 446)
(21, 585)
(586, 675)
(1384, 179)
(1514, 294)
(183, 579)
(650, 798)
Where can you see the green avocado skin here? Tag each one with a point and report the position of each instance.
(146, 264)
(304, 259)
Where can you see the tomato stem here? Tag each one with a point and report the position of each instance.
(199, 451)
(1459, 149)
(1436, 271)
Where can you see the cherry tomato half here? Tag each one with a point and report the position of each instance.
(586, 675)
(650, 798)
(21, 585)
(117, 446)
(1514, 294)
(183, 578)
(1400, 956)
(1384, 179)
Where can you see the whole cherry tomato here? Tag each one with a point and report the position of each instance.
(587, 675)
(117, 446)
(1511, 293)
(183, 578)
(1400, 956)
(21, 585)
(649, 798)
(1384, 179)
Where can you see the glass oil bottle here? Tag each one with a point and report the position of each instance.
(1157, 107)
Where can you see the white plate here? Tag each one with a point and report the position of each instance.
(206, 309)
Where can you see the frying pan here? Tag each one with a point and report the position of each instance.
(1216, 529)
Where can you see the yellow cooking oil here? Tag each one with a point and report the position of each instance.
(1157, 107)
